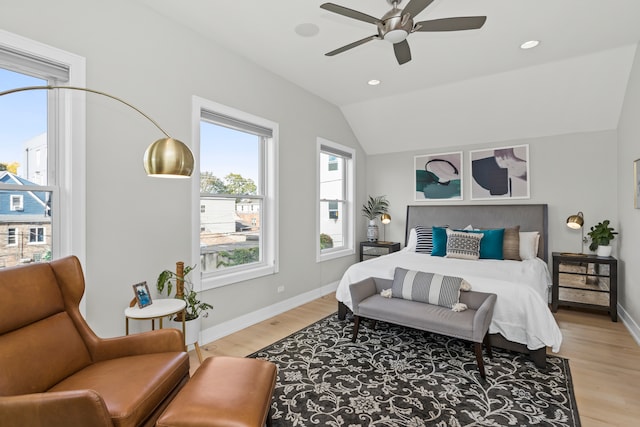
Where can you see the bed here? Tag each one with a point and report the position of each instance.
(522, 320)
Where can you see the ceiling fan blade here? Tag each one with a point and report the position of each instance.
(403, 52)
(351, 45)
(415, 7)
(349, 13)
(451, 24)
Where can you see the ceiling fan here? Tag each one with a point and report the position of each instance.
(396, 25)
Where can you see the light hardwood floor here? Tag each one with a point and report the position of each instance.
(604, 358)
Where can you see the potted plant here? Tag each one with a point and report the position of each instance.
(195, 308)
(374, 207)
(601, 234)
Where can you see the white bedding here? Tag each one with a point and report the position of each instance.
(521, 313)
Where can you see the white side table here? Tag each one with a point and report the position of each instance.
(158, 310)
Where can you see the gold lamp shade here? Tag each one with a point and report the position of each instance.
(385, 218)
(576, 221)
(168, 157)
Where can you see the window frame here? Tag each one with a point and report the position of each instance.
(18, 207)
(269, 223)
(10, 235)
(349, 174)
(39, 232)
(66, 133)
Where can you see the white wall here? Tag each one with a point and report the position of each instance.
(566, 171)
(629, 218)
(137, 226)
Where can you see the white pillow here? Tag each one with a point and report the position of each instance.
(412, 242)
(529, 244)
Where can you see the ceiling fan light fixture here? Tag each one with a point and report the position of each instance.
(396, 36)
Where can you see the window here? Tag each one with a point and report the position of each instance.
(335, 201)
(16, 202)
(36, 235)
(42, 186)
(11, 237)
(238, 224)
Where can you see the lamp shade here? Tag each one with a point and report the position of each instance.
(168, 157)
(576, 221)
(385, 218)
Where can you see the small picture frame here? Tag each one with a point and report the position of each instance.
(143, 297)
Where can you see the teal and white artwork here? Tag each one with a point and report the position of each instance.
(438, 176)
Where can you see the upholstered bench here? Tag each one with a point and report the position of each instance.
(471, 324)
(224, 391)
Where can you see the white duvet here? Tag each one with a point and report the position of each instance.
(521, 313)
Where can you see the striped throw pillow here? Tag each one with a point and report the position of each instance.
(430, 288)
(424, 239)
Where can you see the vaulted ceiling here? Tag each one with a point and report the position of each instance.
(460, 88)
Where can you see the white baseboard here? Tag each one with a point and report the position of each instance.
(234, 325)
(631, 324)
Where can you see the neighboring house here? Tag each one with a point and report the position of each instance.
(25, 224)
(34, 165)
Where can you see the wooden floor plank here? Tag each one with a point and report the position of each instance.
(603, 357)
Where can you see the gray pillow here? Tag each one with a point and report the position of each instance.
(426, 287)
(463, 245)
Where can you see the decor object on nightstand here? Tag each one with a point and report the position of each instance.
(184, 290)
(374, 207)
(601, 235)
(167, 157)
(576, 222)
(384, 219)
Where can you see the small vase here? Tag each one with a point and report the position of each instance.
(603, 250)
(192, 329)
(372, 231)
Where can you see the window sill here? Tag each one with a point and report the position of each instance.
(224, 279)
(326, 256)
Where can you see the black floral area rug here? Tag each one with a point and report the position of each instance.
(397, 376)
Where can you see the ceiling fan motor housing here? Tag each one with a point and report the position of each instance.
(394, 27)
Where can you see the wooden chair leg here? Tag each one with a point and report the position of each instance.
(373, 324)
(487, 343)
(356, 326)
(477, 346)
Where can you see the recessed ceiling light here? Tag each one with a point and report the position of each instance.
(307, 30)
(373, 82)
(529, 44)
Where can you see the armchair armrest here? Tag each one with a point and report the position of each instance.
(361, 290)
(158, 341)
(78, 408)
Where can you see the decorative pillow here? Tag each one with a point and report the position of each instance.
(511, 243)
(491, 244)
(424, 239)
(461, 244)
(439, 240)
(430, 288)
(529, 244)
(412, 241)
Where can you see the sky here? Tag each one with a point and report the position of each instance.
(23, 116)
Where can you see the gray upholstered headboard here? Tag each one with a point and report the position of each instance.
(528, 217)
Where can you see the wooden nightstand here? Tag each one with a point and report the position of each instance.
(585, 280)
(370, 250)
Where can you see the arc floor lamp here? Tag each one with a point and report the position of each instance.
(167, 157)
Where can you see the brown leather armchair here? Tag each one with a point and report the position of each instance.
(54, 371)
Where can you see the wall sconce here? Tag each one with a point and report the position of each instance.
(385, 218)
(576, 222)
(167, 157)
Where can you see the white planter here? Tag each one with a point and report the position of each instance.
(603, 250)
(192, 330)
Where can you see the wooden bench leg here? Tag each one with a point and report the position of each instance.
(487, 344)
(356, 326)
(477, 346)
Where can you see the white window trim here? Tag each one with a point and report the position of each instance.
(15, 237)
(270, 223)
(19, 206)
(350, 173)
(44, 236)
(69, 162)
